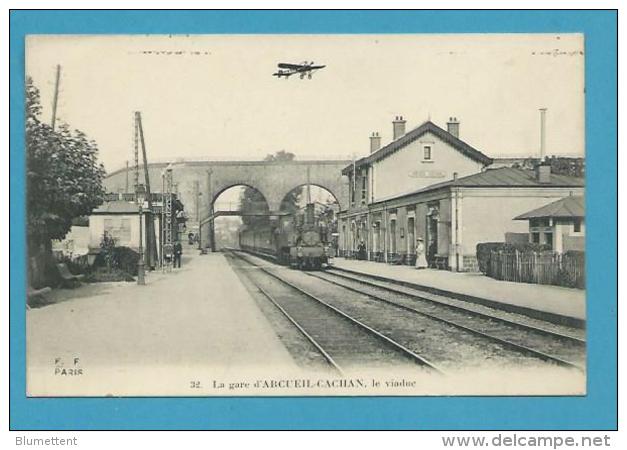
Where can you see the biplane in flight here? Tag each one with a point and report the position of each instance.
(303, 69)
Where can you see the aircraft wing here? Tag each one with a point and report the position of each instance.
(283, 74)
(290, 66)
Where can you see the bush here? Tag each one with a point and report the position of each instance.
(118, 258)
(127, 259)
(76, 265)
(107, 247)
(485, 249)
(483, 254)
(103, 274)
(573, 273)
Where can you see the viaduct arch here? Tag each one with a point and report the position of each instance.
(199, 183)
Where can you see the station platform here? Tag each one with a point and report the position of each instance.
(553, 303)
(197, 323)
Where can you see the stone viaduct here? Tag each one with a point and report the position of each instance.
(199, 183)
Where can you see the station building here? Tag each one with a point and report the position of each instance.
(428, 183)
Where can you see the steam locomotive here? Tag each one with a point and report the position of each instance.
(299, 240)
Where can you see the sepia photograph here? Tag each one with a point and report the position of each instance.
(229, 215)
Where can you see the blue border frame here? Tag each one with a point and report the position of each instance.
(597, 410)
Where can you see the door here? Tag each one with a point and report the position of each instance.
(432, 235)
(393, 236)
(411, 236)
(376, 235)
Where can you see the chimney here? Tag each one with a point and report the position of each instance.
(543, 172)
(452, 126)
(542, 132)
(398, 127)
(375, 142)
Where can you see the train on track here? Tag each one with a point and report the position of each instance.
(299, 240)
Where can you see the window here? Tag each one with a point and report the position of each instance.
(427, 152)
(540, 222)
(125, 230)
(577, 226)
(535, 238)
(363, 189)
(119, 229)
(548, 239)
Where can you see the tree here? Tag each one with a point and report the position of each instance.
(560, 165)
(64, 180)
(252, 200)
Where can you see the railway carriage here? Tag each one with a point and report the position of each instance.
(298, 240)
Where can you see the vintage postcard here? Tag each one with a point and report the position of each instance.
(305, 215)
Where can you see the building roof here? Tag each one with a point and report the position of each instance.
(503, 177)
(509, 177)
(117, 207)
(572, 206)
(515, 177)
(411, 136)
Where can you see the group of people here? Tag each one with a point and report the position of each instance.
(421, 255)
(192, 238)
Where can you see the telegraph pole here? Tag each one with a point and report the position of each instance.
(168, 240)
(136, 152)
(150, 230)
(211, 231)
(56, 97)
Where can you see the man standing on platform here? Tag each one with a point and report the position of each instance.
(178, 251)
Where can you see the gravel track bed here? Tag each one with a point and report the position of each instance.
(563, 349)
(444, 345)
(350, 346)
(304, 353)
(497, 313)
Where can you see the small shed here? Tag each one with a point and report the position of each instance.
(560, 224)
(120, 219)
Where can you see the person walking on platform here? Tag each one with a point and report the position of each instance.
(421, 259)
(361, 251)
(178, 251)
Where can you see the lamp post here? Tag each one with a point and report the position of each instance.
(140, 196)
(199, 221)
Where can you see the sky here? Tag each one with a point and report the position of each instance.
(214, 96)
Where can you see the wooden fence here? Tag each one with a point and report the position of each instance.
(559, 269)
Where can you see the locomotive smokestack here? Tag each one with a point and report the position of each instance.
(309, 214)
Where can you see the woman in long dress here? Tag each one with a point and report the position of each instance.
(421, 259)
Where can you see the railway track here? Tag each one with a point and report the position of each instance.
(547, 345)
(343, 340)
